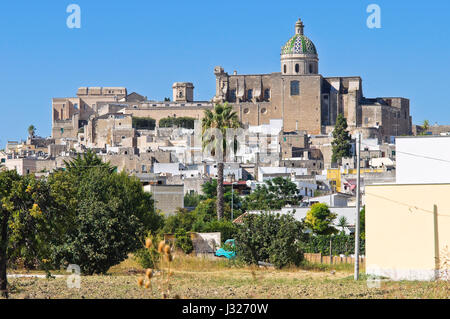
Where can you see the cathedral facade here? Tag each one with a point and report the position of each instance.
(305, 100)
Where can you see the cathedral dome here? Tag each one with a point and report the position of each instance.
(299, 54)
(299, 44)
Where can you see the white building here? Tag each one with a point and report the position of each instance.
(423, 159)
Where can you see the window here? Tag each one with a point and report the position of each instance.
(246, 110)
(366, 120)
(250, 94)
(284, 69)
(263, 110)
(75, 106)
(295, 88)
(310, 68)
(297, 68)
(233, 95)
(267, 94)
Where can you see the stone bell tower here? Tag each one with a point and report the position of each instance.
(183, 92)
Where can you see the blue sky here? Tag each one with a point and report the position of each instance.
(147, 45)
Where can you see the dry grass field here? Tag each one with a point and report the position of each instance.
(205, 278)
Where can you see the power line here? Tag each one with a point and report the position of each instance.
(418, 155)
(410, 207)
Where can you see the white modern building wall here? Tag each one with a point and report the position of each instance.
(423, 160)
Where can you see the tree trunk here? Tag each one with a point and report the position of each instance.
(3, 259)
(220, 202)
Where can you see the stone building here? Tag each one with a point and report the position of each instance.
(298, 96)
(305, 100)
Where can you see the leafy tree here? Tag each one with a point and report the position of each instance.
(111, 213)
(221, 117)
(343, 223)
(278, 193)
(191, 200)
(31, 131)
(362, 223)
(270, 238)
(183, 241)
(341, 144)
(183, 219)
(209, 190)
(23, 211)
(227, 229)
(320, 219)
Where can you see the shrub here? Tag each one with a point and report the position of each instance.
(340, 244)
(143, 123)
(183, 241)
(320, 219)
(270, 238)
(227, 229)
(184, 122)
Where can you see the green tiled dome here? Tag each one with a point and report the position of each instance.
(299, 44)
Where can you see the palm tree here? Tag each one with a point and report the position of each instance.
(31, 130)
(83, 163)
(343, 223)
(221, 117)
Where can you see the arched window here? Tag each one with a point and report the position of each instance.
(250, 94)
(233, 95)
(297, 68)
(266, 94)
(310, 68)
(284, 69)
(295, 88)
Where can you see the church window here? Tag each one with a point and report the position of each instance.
(75, 106)
(250, 94)
(267, 94)
(366, 120)
(310, 68)
(297, 68)
(233, 95)
(284, 69)
(295, 88)
(246, 111)
(263, 110)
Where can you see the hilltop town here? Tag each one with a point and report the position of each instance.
(289, 119)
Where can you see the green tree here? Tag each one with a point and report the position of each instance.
(191, 200)
(319, 219)
(85, 162)
(341, 144)
(111, 214)
(23, 212)
(222, 117)
(269, 237)
(31, 131)
(425, 127)
(362, 223)
(342, 223)
(276, 194)
(209, 189)
(183, 241)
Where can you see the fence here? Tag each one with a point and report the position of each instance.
(322, 259)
